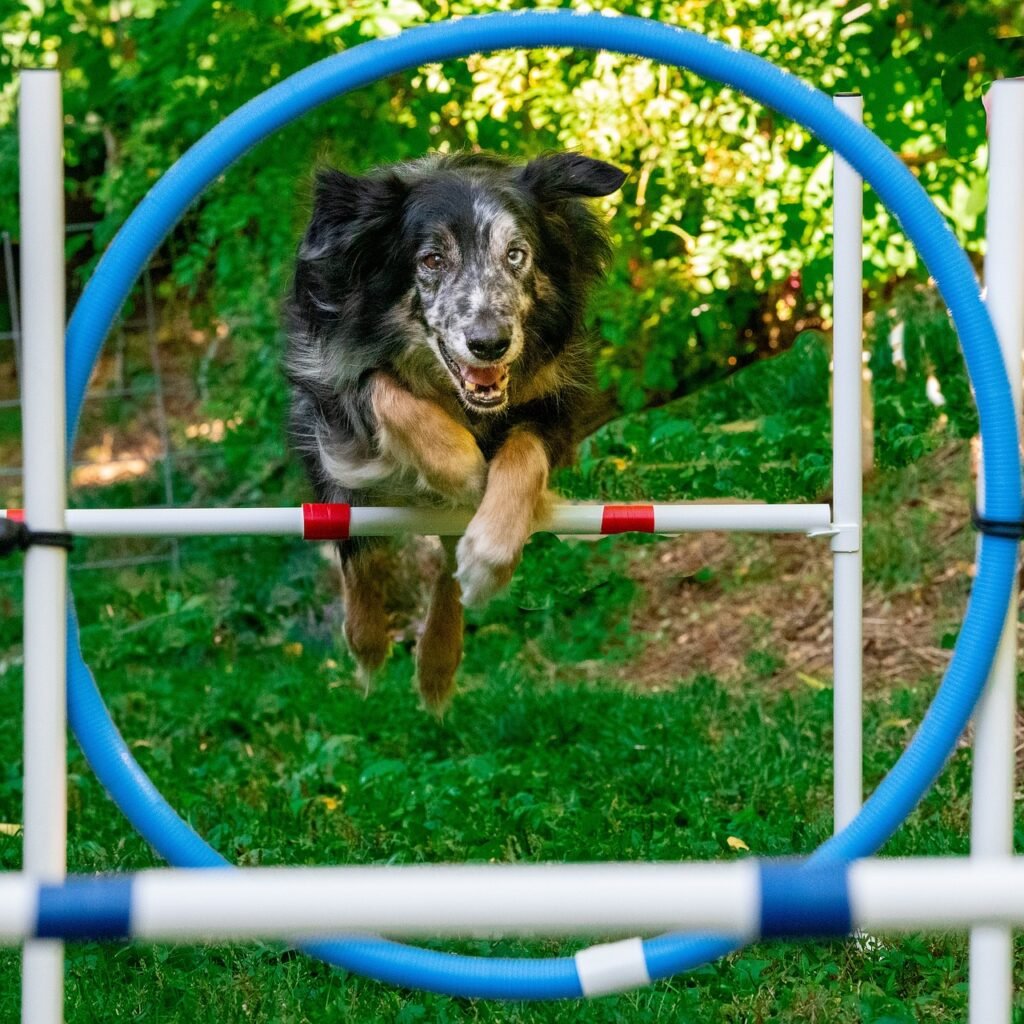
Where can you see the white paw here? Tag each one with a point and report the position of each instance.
(485, 565)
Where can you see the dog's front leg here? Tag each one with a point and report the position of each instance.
(515, 499)
(420, 435)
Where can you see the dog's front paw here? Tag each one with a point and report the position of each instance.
(486, 562)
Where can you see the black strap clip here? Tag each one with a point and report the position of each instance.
(1005, 529)
(16, 536)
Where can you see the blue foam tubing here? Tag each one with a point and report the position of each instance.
(924, 757)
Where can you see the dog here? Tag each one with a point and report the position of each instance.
(437, 354)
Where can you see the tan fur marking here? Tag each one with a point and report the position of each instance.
(517, 482)
(439, 650)
(549, 378)
(542, 286)
(515, 499)
(366, 618)
(419, 434)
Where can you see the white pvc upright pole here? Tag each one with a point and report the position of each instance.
(991, 956)
(42, 303)
(847, 604)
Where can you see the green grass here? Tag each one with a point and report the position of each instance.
(231, 689)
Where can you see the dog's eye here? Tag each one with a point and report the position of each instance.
(516, 257)
(432, 261)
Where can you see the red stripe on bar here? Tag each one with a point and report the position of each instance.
(17, 514)
(326, 522)
(627, 519)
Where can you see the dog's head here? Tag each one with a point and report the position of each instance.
(474, 270)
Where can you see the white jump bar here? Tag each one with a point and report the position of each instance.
(309, 521)
(551, 900)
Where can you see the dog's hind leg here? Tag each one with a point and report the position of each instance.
(365, 571)
(439, 650)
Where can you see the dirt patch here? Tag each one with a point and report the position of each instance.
(744, 608)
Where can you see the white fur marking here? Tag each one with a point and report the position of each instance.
(318, 366)
(484, 567)
(353, 473)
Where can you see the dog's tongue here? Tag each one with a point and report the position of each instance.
(482, 376)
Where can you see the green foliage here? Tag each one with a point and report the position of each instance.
(908, 422)
(723, 222)
(765, 433)
(230, 688)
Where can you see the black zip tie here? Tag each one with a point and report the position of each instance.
(1005, 529)
(16, 536)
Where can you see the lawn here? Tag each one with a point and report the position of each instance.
(575, 735)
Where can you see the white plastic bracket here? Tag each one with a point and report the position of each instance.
(845, 536)
(825, 531)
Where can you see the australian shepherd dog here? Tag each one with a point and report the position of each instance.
(437, 355)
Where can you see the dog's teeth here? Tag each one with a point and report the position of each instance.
(489, 390)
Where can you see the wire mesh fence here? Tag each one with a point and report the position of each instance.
(133, 375)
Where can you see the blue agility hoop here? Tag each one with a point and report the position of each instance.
(945, 720)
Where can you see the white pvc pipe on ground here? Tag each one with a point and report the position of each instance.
(847, 559)
(40, 124)
(553, 900)
(936, 893)
(367, 521)
(492, 900)
(991, 954)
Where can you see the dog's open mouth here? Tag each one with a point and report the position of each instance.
(482, 387)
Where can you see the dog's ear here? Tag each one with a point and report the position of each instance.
(339, 197)
(559, 176)
(348, 209)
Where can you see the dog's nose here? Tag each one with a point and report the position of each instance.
(490, 345)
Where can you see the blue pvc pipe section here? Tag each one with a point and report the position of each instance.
(916, 769)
